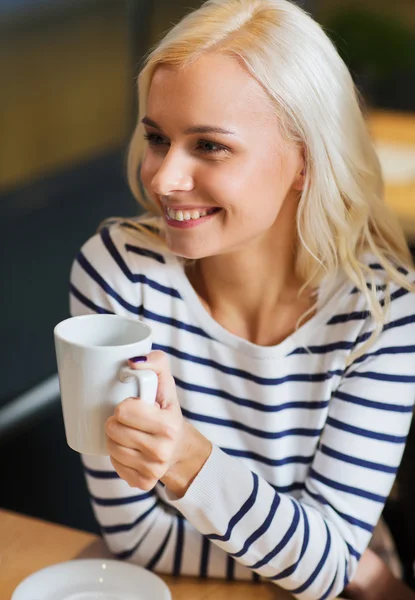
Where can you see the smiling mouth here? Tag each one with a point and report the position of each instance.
(189, 215)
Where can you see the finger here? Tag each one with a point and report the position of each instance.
(134, 459)
(131, 412)
(132, 477)
(152, 447)
(157, 361)
(129, 457)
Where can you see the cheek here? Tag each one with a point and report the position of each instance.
(249, 191)
(149, 168)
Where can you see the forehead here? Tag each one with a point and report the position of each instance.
(213, 89)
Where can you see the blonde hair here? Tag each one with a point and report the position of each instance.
(341, 212)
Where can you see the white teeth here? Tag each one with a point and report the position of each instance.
(186, 215)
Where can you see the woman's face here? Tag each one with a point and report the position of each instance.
(214, 145)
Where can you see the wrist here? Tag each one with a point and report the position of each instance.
(196, 449)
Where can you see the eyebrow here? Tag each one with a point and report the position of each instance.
(191, 130)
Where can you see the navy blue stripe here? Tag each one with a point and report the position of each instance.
(346, 573)
(110, 529)
(309, 377)
(387, 350)
(357, 315)
(306, 534)
(175, 323)
(101, 474)
(277, 462)
(136, 310)
(391, 325)
(401, 408)
(204, 558)
(348, 489)
(400, 322)
(87, 302)
(382, 376)
(290, 570)
(288, 535)
(267, 435)
(364, 314)
(93, 273)
(178, 555)
(317, 570)
(154, 560)
(288, 489)
(360, 462)
(327, 592)
(261, 530)
(126, 554)
(295, 404)
(379, 288)
(324, 348)
(230, 569)
(383, 437)
(354, 552)
(145, 252)
(121, 501)
(134, 278)
(378, 267)
(139, 278)
(109, 244)
(246, 507)
(348, 518)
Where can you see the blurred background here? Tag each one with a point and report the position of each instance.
(67, 108)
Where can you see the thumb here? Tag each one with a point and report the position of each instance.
(158, 362)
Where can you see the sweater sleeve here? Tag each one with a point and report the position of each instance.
(136, 525)
(310, 545)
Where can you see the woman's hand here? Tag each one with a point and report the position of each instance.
(151, 443)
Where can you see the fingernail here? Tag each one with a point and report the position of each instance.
(137, 359)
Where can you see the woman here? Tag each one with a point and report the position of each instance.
(280, 293)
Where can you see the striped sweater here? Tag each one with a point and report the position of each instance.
(305, 448)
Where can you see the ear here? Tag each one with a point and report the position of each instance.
(299, 180)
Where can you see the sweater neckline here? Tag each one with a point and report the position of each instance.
(299, 338)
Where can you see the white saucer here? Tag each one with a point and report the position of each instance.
(92, 579)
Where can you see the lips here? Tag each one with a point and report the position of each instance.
(183, 219)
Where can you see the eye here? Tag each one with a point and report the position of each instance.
(205, 146)
(210, 147)
(154, 139)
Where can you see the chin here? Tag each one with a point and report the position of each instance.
(189, 251)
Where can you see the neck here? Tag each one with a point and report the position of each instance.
(246, 289)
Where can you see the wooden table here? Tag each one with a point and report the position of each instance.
(27, 545)
(397, 129)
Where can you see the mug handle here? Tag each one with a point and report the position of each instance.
(147, 382)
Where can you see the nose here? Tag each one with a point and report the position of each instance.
(173, 175)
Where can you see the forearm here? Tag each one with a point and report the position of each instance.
(272, 534)
(148, 532)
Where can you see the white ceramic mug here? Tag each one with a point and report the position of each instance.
(92, 353)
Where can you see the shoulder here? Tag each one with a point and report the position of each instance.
(391, 339)
(396, 294)
(123, 250)
(385, 304)
(116, 267)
